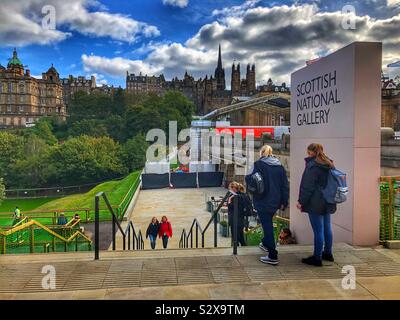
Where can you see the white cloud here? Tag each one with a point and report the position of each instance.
(176, 3)
(116, 67)
(278, 40)
(21, 22)
(393, 3)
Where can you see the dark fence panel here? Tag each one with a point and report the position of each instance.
(210, 179)
(184, 180)
(155, 181)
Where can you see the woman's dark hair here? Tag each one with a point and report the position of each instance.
(321, 157)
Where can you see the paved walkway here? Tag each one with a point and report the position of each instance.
(181, 206)
(202, 274)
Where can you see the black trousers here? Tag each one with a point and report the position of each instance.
(240, 235)
(165, 241)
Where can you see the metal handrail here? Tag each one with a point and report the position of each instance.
(184, 239)
(137, 238)
(115, 224)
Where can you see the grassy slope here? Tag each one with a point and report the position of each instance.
(115, 191)
(24, 204)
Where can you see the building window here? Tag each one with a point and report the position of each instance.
(42, 110)
(8, 108)
(21, 108)
(21, 88)
(9, 99)
(10, 87)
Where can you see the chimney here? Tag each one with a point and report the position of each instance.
(28, 73)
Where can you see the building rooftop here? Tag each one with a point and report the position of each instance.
(14, 61)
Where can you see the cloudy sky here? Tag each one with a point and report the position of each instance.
(109, 37)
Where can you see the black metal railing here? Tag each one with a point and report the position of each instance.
(191, 239)
(127, 235)
(137, 238)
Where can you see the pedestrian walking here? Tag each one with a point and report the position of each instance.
(165, 231)
(152, 232)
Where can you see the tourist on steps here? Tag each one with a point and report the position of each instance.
(152, 232)
(165, 231)
(237, 191)
(274, 197)
(311, 201)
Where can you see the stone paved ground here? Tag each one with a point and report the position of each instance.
(202, 274)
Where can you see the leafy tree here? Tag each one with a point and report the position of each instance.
(178, 108)
(89, 127)
(11, 150)
(134, 152)
(2, 191)
(87, 159)
(43, 130)
(140, 119)
(34, 169)
(116, 128)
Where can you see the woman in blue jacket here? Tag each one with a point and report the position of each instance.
(275, 197)
(311, 201)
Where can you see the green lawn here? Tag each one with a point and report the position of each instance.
(115, 191)
(9, 205)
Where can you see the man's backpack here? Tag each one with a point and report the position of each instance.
(336, 189)
(255, 183)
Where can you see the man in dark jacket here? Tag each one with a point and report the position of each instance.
(275, 197)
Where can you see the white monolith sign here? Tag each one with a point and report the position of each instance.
(337, 102)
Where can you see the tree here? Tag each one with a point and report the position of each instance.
(141, 119)
(87, 159)
(134, 152)
(116, 128)
(11, 150)
(34, 169)
(179, 108)
(89, 127)
(43, 130)
(2, 191)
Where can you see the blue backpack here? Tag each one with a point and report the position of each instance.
(336, 189)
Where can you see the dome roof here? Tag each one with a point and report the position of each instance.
(14, 61)
(52, 69)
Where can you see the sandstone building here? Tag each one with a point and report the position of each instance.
(25, 99)
(207, 94)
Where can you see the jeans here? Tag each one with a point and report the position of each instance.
(165, 241)
(322, 228)
(269, 240)
(153, 240)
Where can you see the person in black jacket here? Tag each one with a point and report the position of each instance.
(236, 191)
(275, 197)
(311, 201)
(152, 232)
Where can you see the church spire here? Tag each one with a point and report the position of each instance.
(219, 58)
(220, 72)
